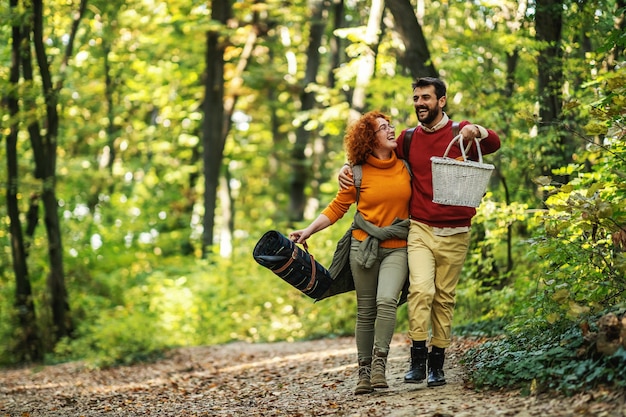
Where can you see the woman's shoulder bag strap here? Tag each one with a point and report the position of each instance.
(357, 176)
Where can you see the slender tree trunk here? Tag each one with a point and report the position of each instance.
(45, 150)
(227, 203)
(617, 54)
(223, 105)
(230, 101)
(48, 143)
(299, 165)
(28, 347)
(548, 25)
(213, 124)
(417, 57)
(336, 50)
(111, 129)
(367, 61)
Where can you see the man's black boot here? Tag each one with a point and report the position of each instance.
(435, 368)
(417, 372)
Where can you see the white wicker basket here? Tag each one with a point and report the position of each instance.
(460, 183)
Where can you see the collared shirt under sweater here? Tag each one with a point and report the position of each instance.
(424, 145)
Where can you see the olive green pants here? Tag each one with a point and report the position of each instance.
(377, 292)
(435, 264)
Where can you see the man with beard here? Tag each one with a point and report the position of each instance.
(439, 234)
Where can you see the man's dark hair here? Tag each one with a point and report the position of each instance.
(440, 86)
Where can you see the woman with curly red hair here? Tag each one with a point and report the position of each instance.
(378, 256)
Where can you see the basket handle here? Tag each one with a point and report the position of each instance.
(459, 138)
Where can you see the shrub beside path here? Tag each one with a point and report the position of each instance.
(311, 378)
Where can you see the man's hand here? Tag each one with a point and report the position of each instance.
(471, 132)
(345, 177)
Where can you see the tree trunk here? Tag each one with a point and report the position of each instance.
(28, 347)
(548, 24)
(335, 44)
(417, 57)
(46, 165)
(225, 101)
(367, 61)
(213, 137)
(109, 153)
(299, 165)
(617, 55)
(227, 227)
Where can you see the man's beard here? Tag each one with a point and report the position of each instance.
(430, 117)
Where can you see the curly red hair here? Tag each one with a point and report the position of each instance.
(360, 139)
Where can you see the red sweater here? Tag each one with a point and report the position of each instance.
(385, 193)
(424, 145)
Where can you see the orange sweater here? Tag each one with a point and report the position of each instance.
(385, 195)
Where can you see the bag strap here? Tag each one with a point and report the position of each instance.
(294, 255)
(408, 166)
(357, 175)
(406, 145)
(408, 137)
(455, 129)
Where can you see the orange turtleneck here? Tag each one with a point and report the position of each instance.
(385, 195)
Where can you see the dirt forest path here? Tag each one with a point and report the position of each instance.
(312, 378)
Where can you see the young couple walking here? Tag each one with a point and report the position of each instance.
(400, 231)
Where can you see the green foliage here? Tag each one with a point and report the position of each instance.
(130, 184)
(187, 303)
(119, 336)
(543, 361)
(577, 268)
(480, 329)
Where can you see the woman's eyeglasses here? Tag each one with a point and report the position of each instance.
(386, 128)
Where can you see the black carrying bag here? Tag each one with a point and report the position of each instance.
(291, 263)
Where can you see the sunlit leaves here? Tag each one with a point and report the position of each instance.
(542, 180)
(147, 59)
(595, 127)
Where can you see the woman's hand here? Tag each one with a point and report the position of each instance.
(345, 177)
(299, 236)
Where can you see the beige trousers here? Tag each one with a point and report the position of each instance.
(435, 264)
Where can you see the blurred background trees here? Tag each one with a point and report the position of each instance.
(159, 140)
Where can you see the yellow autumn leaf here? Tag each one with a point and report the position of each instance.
(543, 180)
(553, 318)
(604, 210)
(533, 386)
(560, 295)
(575, 310)
(542, 251)
(596, 128)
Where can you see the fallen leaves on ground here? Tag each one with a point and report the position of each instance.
(301, 379)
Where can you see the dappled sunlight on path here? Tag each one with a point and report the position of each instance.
(312, 378)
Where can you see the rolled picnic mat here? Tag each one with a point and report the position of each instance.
(294, 265)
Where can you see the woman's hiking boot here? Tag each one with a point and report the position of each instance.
(364, 386)
(435, 369)
(379, 364)
(417, 372)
